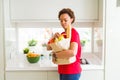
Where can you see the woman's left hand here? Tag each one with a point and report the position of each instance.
(53, 60)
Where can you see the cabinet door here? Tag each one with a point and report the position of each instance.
(48, 10)
(23, 75)
(92, 75)
(53, 75)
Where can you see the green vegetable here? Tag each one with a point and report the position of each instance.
(32, 42)
(26, 50)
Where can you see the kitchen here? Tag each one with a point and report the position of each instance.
(21, 19)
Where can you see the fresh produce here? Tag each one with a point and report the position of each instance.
(32, 42)
(68, 32)
(61, 37)
(30, 54)
(51, 41)
(33, 57)
(26, 50)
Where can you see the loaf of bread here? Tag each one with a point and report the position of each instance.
(68, 32)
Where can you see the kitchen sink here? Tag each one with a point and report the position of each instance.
(84, 61)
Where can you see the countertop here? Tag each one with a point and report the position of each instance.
(50, 68)
(42, 65)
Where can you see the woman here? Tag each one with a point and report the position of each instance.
(70, 71)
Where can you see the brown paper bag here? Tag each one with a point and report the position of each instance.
(65, 61)
(63, 45)
(60, 45)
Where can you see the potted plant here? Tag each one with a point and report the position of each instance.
(32, 42)
(83, 42)
(32, 45)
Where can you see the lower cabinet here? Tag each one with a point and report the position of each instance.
(92, 75)
(26, 75)
(51, 75)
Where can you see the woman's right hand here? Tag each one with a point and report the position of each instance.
(56, 35)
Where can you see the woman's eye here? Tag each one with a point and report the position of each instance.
(64, 21)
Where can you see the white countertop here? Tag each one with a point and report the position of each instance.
(14, 65)
(20, 63)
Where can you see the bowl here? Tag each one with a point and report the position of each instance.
(33, 57)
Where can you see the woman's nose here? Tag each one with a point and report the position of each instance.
(63, 22)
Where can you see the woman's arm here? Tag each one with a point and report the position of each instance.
(72, 51)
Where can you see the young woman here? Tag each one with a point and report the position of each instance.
(69, 71)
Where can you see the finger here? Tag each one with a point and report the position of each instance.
(53, 60)
(57, 35)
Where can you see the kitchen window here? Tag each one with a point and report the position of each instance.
(42, 35)
(18, 39)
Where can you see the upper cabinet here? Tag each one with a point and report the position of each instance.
(46, 10)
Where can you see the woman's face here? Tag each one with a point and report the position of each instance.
(65, 20)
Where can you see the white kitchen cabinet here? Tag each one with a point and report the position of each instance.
(43, 10)
(26, 75)
(86, 75)
(32, 75)
(92, 75)
(53, 75)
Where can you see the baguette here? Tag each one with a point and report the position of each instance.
(68, 32)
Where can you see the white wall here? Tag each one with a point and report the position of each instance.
(1, 43)
(112, 56)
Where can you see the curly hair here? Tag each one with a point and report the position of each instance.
(67, 11)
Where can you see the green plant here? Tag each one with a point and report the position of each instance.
(32, 42)
(83, 42)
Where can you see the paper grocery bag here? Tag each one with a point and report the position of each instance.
(60, 45)
(65, 61)
(64, 44)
